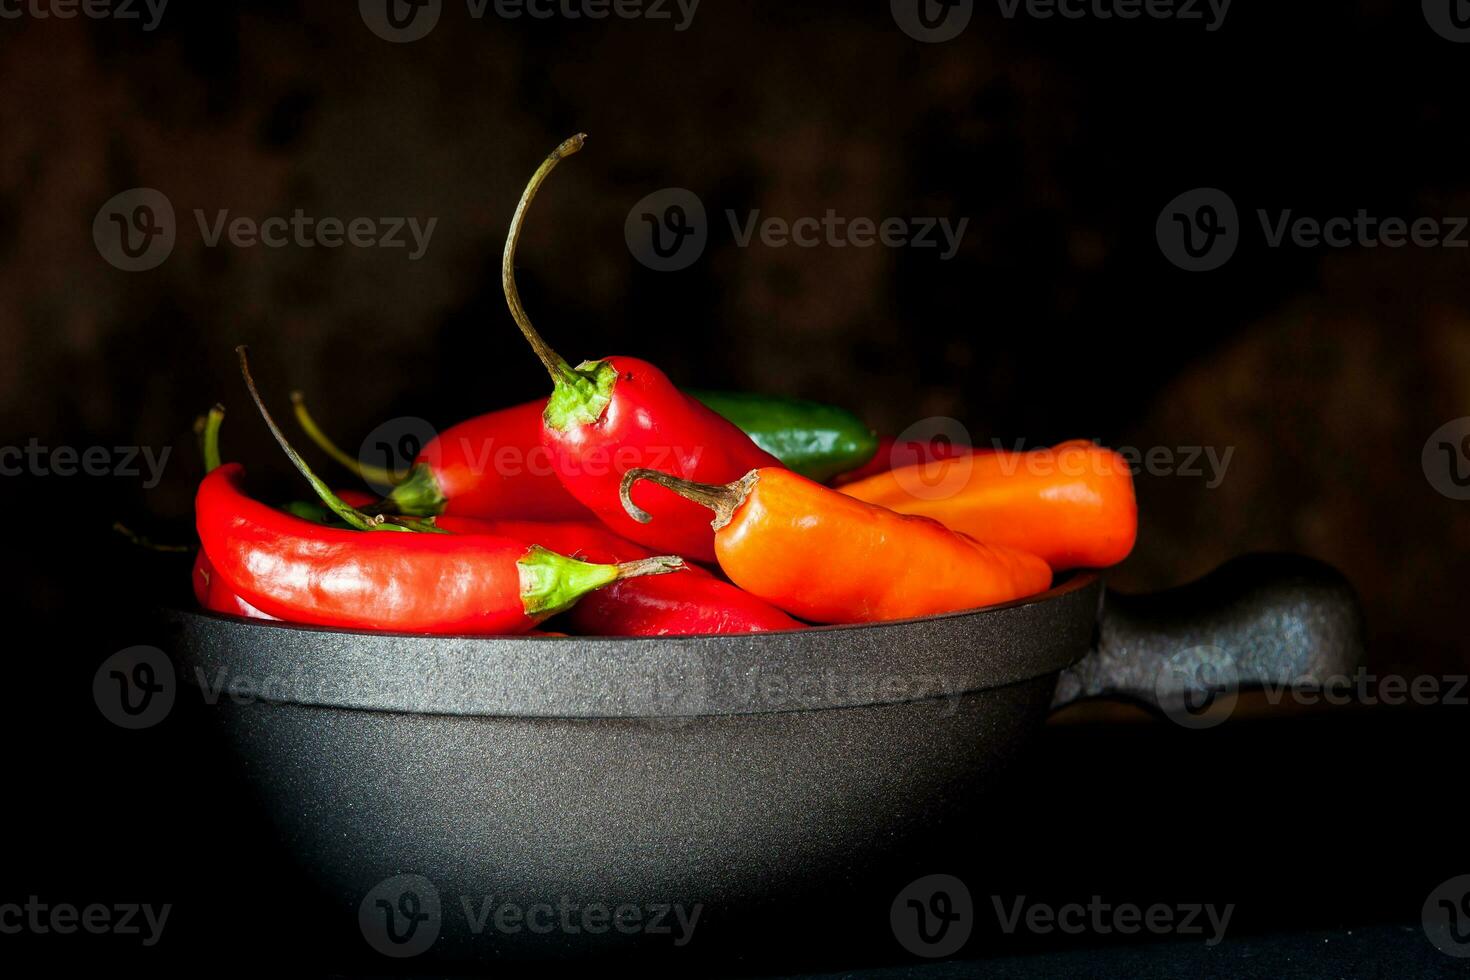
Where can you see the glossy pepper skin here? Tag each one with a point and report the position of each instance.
(420, 583)
(609, 416)
(830, 558)
(214, 594)
(493, 466)
(816, 440)
(1073, 504)
(691, 603)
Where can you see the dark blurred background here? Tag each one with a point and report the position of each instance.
(1323, 370)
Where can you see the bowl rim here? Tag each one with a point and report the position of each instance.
(581, 677)
(1066, 582)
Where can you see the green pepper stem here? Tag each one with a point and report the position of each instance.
(209, 440)
(375, 475)
(723, 499)
(552, 582)
(556, 365)
(354, 517)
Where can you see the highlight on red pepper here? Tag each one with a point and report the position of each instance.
(1072, 504)
(609, 416)
(410, 581)
(830, 558)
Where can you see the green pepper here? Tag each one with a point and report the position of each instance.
(818, 441)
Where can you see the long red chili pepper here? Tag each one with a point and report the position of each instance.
(420, 583)
(491, 466)
(608, 416)
(693, 602)
(827, 557)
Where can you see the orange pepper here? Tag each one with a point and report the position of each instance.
(830, 558)
(1072, 504)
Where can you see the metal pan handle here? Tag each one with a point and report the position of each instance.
(1258, 620)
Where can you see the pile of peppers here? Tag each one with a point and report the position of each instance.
(658, 511)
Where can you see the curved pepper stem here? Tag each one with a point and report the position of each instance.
(368, 473)
(353, 517)
(416, 493)
(723, 499)
(560, 370)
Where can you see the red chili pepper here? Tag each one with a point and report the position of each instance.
(421, 583)
(609, 416)
(490, 466)
(691, 603)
